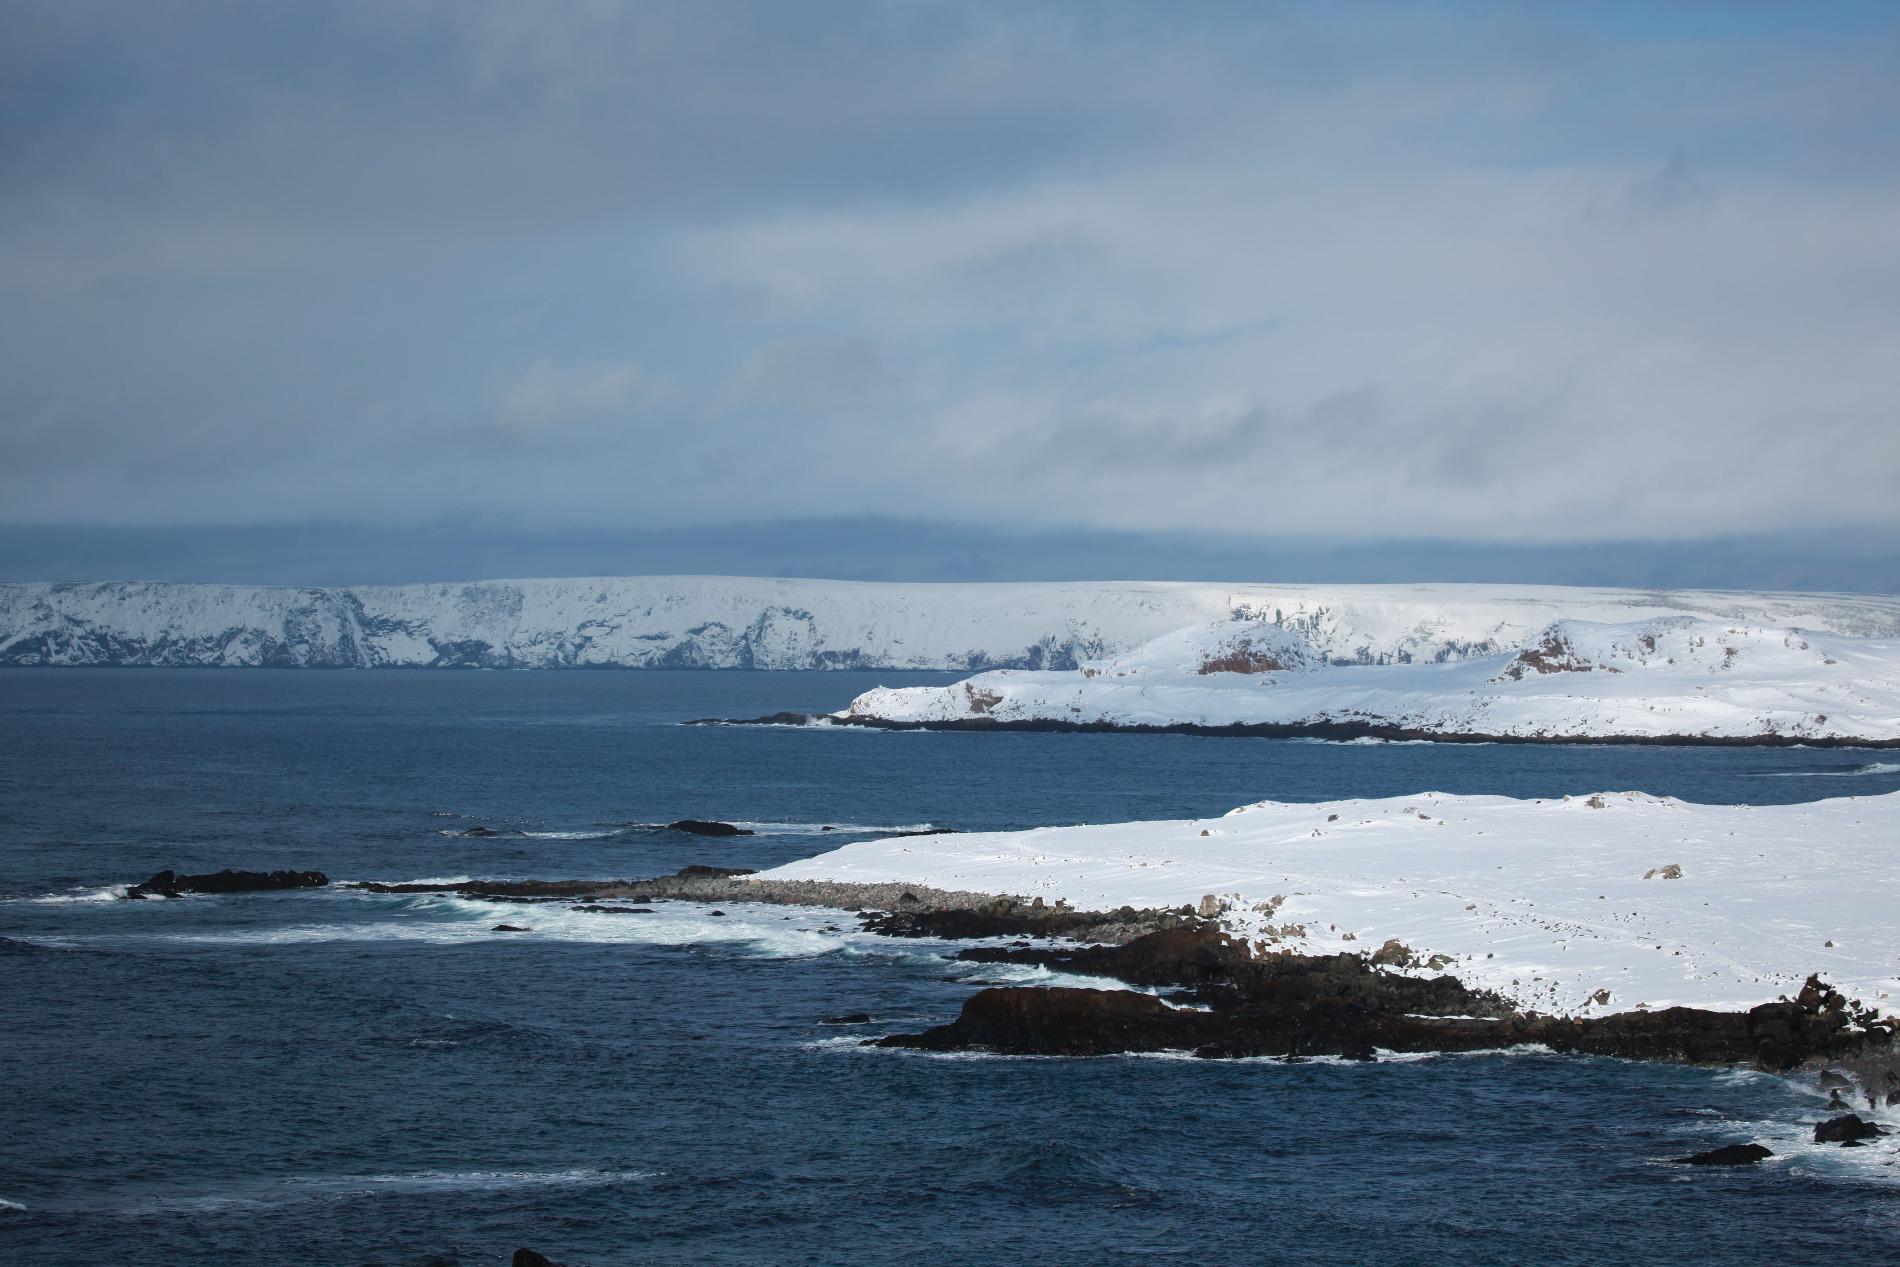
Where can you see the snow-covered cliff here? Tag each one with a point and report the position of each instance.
(739, 622)
(1666, 677)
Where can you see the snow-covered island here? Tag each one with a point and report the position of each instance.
(1667, 678)
(1586, 905)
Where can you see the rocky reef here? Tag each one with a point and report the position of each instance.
(171, 884)
(1222, 1001)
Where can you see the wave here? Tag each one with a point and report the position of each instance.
(571, 835)
(267, 1194)
(1859, 771)
(469, 1180)
(87, 893)
(773, 932)
(10, 1205)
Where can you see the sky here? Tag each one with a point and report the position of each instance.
(425, 289)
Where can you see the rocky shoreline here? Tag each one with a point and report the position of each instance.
(1219, 997)
(892, 910)
(1336, 731)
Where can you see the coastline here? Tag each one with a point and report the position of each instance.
(1328, 731)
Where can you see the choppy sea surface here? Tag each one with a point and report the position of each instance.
(332, 1077)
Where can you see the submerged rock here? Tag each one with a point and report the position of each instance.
(171, 884)
(849, 1018)
(481, 832)
(1727, 1155)
(510, 928)
(707, 827)
(528, 1258)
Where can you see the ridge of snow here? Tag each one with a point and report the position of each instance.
(746, 622)
(1545, 901)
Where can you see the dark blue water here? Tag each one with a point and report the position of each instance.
(347, 1078)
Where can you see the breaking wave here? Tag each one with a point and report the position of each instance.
(1859, 771)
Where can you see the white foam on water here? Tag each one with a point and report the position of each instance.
(109, 893)
(470, 1180)
(777, 932)
(10, 1205)
(594, 834)
(1871, 768)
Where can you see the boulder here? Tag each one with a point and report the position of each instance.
(1849, 1128)
(1727, 1155)
(510, 928)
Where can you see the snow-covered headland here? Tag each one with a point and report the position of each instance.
(752, 623)
(1578, 906)
(1681, 678)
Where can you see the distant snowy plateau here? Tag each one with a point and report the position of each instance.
(1518, 661)
(1664, 678)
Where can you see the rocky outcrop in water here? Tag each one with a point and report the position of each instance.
(707, 827)
(171, 884)
(1228, 1003)
(1849, 1128)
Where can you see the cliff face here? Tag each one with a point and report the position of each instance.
(749, 623)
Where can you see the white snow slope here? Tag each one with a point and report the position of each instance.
(1672, 676)
(740, 622)
(1544, 901)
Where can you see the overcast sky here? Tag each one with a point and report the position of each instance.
(1495, 275)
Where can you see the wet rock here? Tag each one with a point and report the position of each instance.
(849, 1018)
(707, 827)
(480, 832)
(1727, 1155)
(613, 910)
(528, 1258)
(171, 884)
(1058, 1022)
(1834, 1082)
(1309, 1005)
(510, 928)
(1849, 1128)
(697, 872)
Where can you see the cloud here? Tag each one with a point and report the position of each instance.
(1361, 271)
(545, 395)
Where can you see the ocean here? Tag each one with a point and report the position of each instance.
(337, 1077)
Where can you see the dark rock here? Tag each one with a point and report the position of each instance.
(528, 1258)
(1849, 1128)
(614, 910)
(849, 1018)
(510, 928)
(719, 914)
(170, 884)
(697, 872)
(1309, 1005)
(481, 831)
(704, 827)
(1058, 1022)
(1727, 1155)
